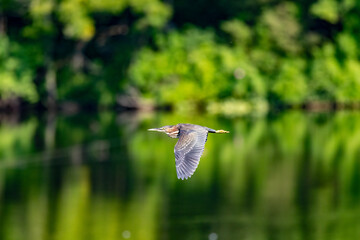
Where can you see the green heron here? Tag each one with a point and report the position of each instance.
(190, 146)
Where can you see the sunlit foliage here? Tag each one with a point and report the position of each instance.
(278, 61)
(192, 66)
(17, 70)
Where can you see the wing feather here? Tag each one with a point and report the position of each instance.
(188, 151)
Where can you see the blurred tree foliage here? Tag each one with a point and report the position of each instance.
(179, 53)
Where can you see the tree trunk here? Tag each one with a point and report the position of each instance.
(78, 60)
(2, 24)
(51, 88)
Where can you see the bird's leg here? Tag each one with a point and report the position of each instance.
(221, 131)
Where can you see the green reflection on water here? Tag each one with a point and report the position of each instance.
(292, 175)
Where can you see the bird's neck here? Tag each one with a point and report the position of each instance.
(174, 132)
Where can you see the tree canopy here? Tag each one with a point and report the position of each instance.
(179, 53)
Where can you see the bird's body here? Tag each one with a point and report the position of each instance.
(190, 146)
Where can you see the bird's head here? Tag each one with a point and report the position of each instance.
(171, 130)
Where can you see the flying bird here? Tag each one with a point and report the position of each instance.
(189, 147)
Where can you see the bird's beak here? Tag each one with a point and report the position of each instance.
(156, 130)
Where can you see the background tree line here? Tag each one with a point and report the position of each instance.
(202, 54)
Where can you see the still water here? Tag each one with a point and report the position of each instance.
(290, 175)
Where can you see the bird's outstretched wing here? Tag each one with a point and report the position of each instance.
(188, 151)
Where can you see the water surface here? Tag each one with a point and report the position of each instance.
(290, 175)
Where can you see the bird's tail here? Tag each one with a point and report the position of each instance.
(221, 131)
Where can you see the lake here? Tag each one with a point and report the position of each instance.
(286, 175)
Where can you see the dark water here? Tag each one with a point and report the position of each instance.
(290, 175)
